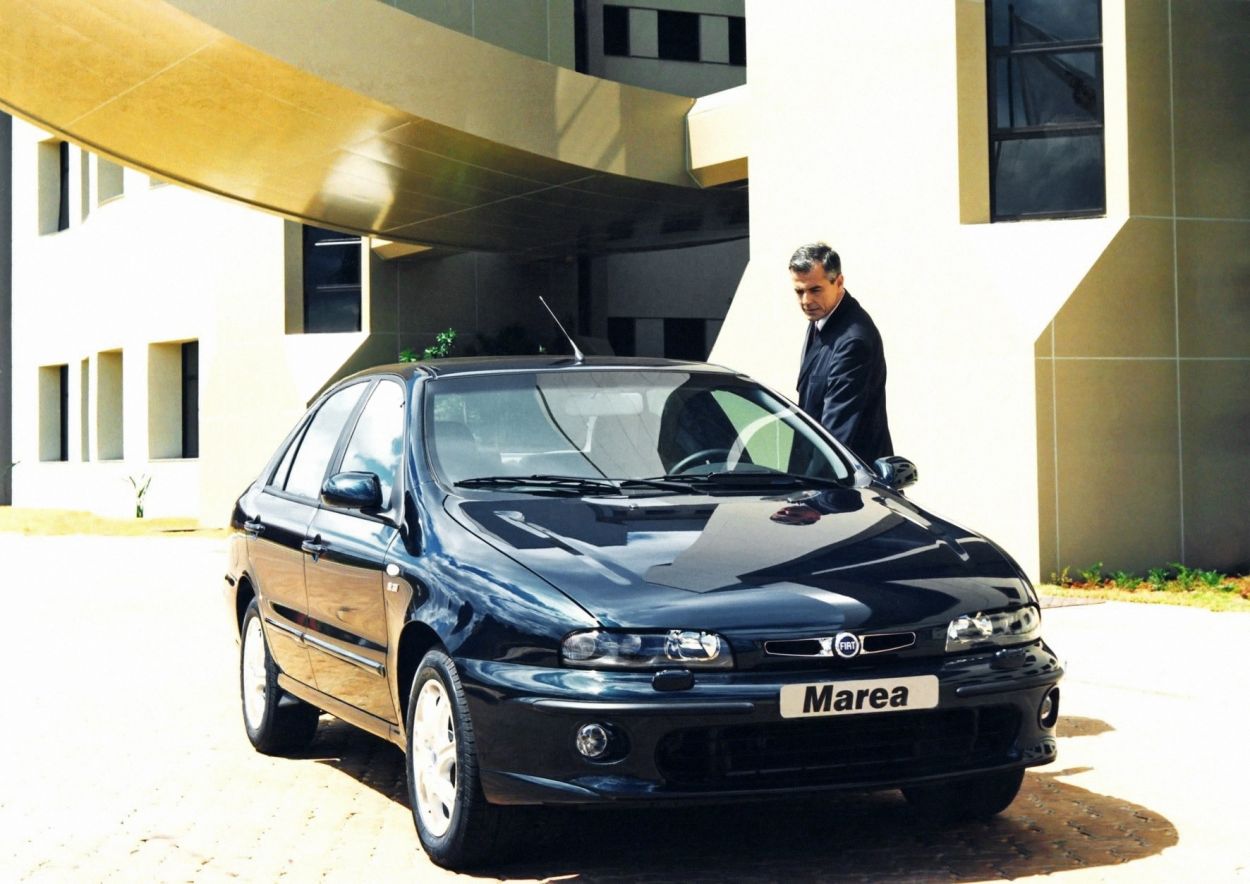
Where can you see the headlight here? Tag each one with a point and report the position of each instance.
(1016, 627)
(599, 649)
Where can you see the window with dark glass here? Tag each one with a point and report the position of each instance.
(622, 335)
(313, 456)
(678, 34)
(1045, 108)
(737, 40)
(616, 30)
(191, 399)
(685, 338)
(331, 281)
(62, 215)
(378, 437)
(63, 418)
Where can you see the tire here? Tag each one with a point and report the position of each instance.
(457, 827)
(970, 798)
(276, 722)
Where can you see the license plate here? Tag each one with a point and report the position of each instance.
(859, 697)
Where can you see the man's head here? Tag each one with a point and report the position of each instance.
(816, 271)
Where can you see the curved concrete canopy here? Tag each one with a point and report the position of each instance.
(354, 115)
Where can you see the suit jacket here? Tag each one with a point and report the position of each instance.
(842, 381)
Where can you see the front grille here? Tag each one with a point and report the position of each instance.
(877, 643)
(856, 749)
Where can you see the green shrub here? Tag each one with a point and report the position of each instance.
(1210, 579)
(1186, 578)
(1125, 580)
(1091, 575)
(440, 349)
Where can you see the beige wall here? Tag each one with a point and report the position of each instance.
(860, 145)
(1143, 400)
(131, 276)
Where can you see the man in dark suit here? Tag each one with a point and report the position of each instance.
(842, 378)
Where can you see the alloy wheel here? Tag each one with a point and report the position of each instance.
(255, 682)
(434, 757)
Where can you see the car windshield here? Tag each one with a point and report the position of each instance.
(617, 425)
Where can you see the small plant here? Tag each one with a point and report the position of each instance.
(1125, 580)
(440, 349)
(140, 484)
(1210, 579)
(442, 345)
(1185, 578)
(1062, 578)
(1092, 576)
(1157, 578)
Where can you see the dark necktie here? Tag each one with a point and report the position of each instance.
(808, 344)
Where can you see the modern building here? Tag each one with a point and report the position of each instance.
(218, 208)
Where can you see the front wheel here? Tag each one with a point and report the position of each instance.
(456, 825)
(276, 723)
(970, 798)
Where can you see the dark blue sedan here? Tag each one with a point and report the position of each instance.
(589, 581)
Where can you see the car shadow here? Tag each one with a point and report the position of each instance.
(1053, 826)
(1075, 726)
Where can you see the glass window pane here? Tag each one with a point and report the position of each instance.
(332, 311)
(284, 466)
(1043, 175)
(331, 281)
(679, 35)
(1024, 22)
(191, 399)
(685, 338)
(737, 40)
(309, 468)
(615, 30)
(377, 440)
(615, 424)
(1047, 88)
(622, 335)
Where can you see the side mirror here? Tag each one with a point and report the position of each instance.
(357, 491)
(896, 472)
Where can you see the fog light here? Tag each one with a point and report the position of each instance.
(1048, 712)
(592, 741)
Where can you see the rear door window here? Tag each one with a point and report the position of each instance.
(313, 457)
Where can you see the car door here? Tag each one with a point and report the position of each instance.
(277, 521)
(346, 629)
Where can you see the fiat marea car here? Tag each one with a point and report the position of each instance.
(559, 581)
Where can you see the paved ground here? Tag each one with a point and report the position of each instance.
(122, 758)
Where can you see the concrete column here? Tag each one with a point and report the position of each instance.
(6, 308)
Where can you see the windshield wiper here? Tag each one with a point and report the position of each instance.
(668, 483)
(560, 484)
(753, 479)
(573, 485)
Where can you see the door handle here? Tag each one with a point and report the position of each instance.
(314, 547)
(254, 527)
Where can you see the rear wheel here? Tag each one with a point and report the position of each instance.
(970, 798)
(456, 825)
(276, 723)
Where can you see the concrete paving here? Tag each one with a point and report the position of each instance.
(122, 757)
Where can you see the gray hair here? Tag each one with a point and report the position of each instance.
(808, 256)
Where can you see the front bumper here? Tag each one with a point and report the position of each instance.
(724, 737)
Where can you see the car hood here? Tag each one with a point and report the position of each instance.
(849, 558)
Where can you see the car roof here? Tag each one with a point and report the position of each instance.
(462, 365)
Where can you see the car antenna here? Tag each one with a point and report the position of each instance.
(577, 354)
